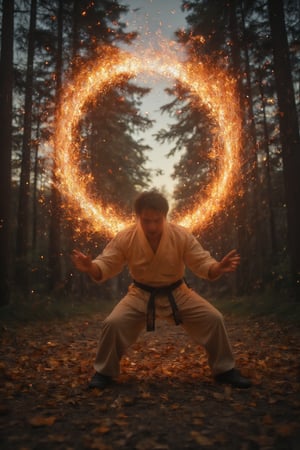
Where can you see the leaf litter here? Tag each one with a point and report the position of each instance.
(165, 397)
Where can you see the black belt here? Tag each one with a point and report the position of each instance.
(162, 290)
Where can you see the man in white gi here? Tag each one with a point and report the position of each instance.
(156, 252)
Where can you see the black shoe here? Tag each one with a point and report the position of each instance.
(234, 378)
(99, 381)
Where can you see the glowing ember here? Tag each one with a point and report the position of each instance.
(213, 88)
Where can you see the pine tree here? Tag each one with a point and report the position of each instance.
(6, 88)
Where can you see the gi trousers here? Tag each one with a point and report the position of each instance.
(201, 320)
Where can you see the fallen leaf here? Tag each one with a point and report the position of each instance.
(103, 429)
(42, 421)
(202, 439)
(128, 401)
(98, 444)
(175, 406)
(267, 419)
(285, 429)
(221, 437)
(238, 407)
(145, 395)
(218, 396)
(197, 421)
(121, 422)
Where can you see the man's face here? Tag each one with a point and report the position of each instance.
(152, 223)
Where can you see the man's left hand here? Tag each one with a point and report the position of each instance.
(229, 263)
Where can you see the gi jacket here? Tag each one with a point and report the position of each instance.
(178, 249)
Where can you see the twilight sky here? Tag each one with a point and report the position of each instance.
(155, 19)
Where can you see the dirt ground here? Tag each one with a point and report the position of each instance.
(164, 399)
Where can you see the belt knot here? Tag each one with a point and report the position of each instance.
(161, 290)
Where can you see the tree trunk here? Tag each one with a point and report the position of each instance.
(269, 199)
(35, 182)
(55, 225)
(247, 227)
(75, 29)
(254, 201)
(6, 86)
(289, 134)
(22, 265)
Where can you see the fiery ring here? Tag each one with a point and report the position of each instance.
(212, 86)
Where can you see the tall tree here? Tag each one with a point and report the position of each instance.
(248, 219)
(289, 133)
(232, 34)
(107, 147)
(55, 228)
(6, 87)
(116, 160)
(22, 272)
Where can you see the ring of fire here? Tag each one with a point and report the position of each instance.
(212, 86)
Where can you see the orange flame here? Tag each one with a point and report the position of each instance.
(213, 87)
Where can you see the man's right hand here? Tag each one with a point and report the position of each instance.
(81, 262)
(85, 264)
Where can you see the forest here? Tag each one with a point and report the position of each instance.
(44, 45)
(166, 397)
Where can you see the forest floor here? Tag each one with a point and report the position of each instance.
(164, 398)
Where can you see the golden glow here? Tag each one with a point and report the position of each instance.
(211, 86)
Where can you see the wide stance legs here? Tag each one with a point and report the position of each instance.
(202, 321)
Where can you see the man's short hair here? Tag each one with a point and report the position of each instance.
(151, 200)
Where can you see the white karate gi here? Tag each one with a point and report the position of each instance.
(178, 249)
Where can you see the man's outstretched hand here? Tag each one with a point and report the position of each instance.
(85, 264)
(229, 263)
(81, 261)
